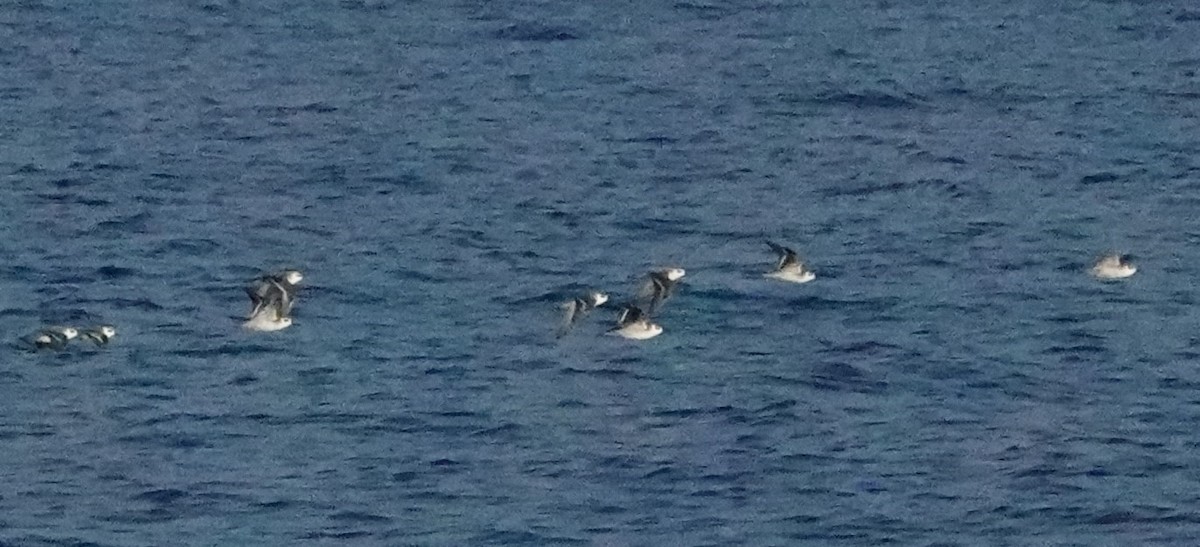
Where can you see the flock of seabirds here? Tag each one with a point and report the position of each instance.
(273, 296)
(634, 318)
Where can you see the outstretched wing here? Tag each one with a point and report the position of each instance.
(268, 291)
(787, 257)
(259, 290)
(285, 298)
(629, 314)
(655, 290)
(572, 311)
(96, 336)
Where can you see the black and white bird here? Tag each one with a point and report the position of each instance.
(1113, 266)
(635, 325)
(789, 268)
(100, 335)
(275, 289)
(576, 309)
(658, 286)
(54, 338)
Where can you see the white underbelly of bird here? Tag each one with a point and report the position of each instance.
(267, 321)
(638, 331)
(792, 276)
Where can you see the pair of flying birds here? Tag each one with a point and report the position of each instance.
(634, 323)
(56, 338)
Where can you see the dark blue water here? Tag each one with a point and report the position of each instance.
(445, 173)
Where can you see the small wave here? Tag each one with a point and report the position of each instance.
(115, 272)
(1103, 176)
(228, 349)
(187, 247)
(243, 380)
(865, 99)
(163, 496)
(135, 223)
(943, 186)
(358, 516)
(287, 110)
(163, 439)
(705, 11)
(844, 377)
(510, 537)
(353, 534)
(535, 32)
(504, 432)
(599, 372)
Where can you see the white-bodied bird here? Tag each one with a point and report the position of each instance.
(100, 335)
(658, 287)
(268, 318)
(789, 268)
(635, 325)
(54, 338)
(1113, 266)
(274, 289)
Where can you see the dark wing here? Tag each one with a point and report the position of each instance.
(53, 339)
(629, 314)
(280, 297)
(256, 300)
(572, 311)
(655, 290)
(259, 292)
(56, 334)
(787, 257)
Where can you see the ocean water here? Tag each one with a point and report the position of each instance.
(446, 172)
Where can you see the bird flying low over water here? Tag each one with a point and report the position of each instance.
(1113, 266)
(268, 318)
(275, 289)
(100, 335)
(658, 287)
(789, 268)
(54, 338)
(635, 325)
(574, 310)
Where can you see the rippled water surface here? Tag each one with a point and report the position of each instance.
(445, 173)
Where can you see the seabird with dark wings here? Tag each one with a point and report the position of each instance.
(635, 325)
(100, 335)
(574, 310)
(1113, 266)
(275, 289)
(658, 287)
(54, 338)
(789, 268)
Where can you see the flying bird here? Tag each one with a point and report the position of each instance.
(789, 268)
(100, 335)
(658, 286)
(54, 338)
(274, 289)
(576, 309)
(635, 325)
(1113, 266)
